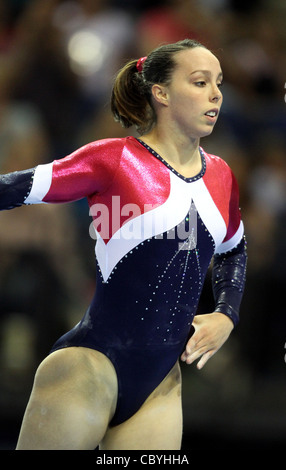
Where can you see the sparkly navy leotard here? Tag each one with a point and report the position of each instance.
(156, 234)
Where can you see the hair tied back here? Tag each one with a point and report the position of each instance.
(140, 64)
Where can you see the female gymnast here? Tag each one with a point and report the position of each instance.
(163, 209)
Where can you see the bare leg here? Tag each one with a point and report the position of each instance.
(158, 423)
(72, 401)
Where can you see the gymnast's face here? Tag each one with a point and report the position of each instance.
(192, 100)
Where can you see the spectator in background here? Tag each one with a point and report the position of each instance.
(96, 38)
(174, 20)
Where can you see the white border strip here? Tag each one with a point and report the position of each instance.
(41, 184)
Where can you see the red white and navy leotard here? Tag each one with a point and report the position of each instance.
(157, 233)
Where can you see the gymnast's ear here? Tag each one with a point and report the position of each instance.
(160, 94)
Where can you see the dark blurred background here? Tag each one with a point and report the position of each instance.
(57, 62)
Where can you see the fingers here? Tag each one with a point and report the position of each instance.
(204, 357)
(199, 346)
(210, 332)
(190, 356)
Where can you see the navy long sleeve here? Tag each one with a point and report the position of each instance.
(229, 273)
(14, 188)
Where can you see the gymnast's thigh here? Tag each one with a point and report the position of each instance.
(157, 425)
(73, 398)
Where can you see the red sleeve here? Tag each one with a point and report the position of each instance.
(88, 170)
(233, 210)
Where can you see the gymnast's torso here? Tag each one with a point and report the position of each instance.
(156, 233)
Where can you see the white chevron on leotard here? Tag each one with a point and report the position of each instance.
(161, 219)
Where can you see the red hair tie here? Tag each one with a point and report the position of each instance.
(140, 64)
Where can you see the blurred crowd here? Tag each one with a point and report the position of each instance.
(58, 59)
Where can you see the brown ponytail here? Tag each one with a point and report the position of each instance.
(131, 100)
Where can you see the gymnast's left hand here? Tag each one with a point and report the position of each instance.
(211, 331)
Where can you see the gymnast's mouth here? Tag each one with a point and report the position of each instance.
(212, 113)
